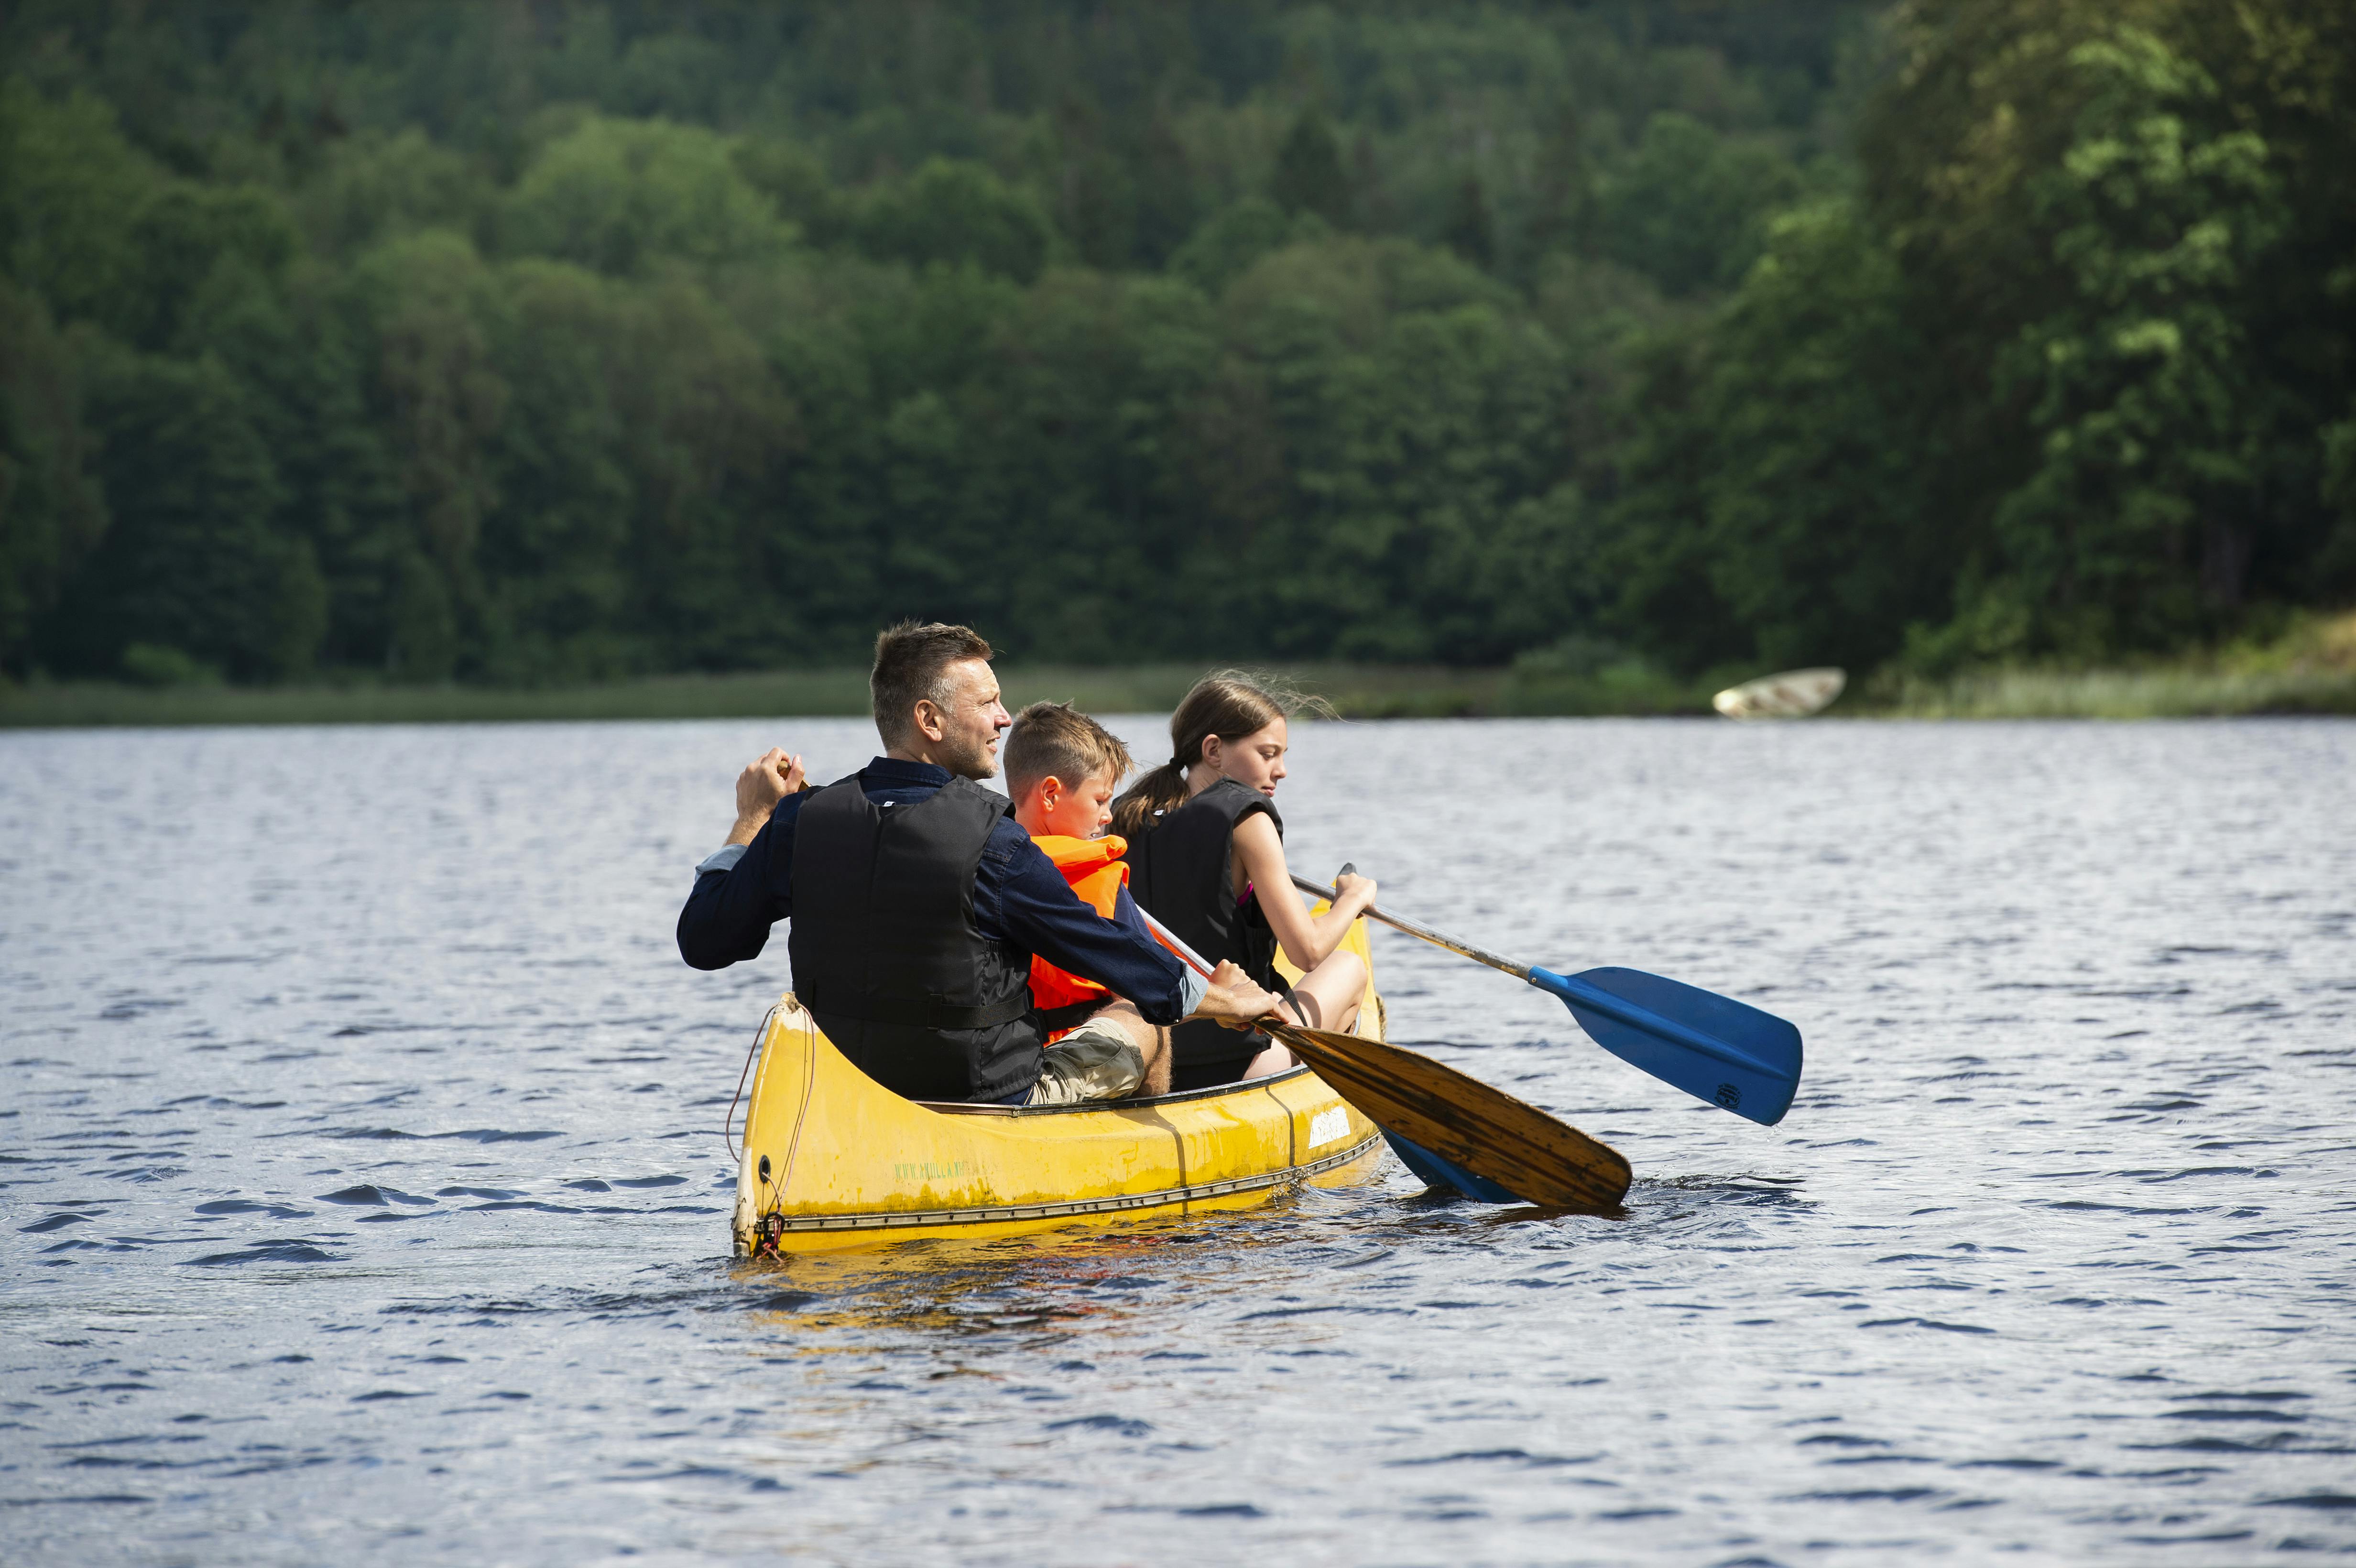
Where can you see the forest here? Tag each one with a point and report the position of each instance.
(537, 341)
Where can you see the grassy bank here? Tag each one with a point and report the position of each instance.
(2158, 693)
(2308, 668)
(1365, 691)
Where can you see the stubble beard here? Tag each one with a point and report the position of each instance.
(974, 761)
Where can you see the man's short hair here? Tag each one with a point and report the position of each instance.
(912, 664)
(1054, 740)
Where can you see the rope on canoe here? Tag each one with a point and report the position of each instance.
(728, 1123)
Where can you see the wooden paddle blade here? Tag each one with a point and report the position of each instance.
(1486, 1130)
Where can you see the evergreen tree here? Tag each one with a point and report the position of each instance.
(1469, 233)
(192, 565)
(1308, 176)
(412, 340)
(52, 512)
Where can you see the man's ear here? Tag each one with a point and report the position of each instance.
(930, 721)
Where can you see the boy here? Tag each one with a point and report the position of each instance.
(1062, 769)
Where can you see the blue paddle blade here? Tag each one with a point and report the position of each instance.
(1446, 1173)
(1712, 1047)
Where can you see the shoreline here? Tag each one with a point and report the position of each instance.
(1357, 691)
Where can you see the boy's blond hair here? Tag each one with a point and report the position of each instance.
(1054, 740)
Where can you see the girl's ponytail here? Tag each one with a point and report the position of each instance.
(1227, 703)
(1158, 790)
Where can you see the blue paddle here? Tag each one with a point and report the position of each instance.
(1446, 1126)
(1712, 1047)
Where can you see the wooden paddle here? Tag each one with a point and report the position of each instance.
(1714, 1048)
(1488, 1132)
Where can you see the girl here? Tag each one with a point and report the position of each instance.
(1206, 859)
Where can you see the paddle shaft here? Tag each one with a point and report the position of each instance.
(1201, 966)
(1176, 944)
(1569, 988)
(1416, 928)
(1525, 1153)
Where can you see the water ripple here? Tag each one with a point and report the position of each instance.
(366, 1202)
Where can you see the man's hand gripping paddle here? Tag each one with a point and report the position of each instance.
(1518, 1152)
(1712, 1047)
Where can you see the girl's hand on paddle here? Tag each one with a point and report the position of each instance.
(1233, 1000)
(766, 779)
(1353, 892)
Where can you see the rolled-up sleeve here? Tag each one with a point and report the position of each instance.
(728, 911)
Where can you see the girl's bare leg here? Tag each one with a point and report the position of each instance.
(1326, 998)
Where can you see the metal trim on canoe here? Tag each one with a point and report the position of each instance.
(883, 1220)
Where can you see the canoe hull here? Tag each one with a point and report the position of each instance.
(833, 1160)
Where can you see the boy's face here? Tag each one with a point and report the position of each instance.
(1075, 810)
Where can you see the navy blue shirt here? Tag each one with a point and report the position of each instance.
(1019, 898)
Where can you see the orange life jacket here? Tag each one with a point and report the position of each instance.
(1095, 869)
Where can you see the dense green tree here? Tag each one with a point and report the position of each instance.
(429, 300)
(2335, 564)
(300, 363)
(1309, 176)
(615, 195)
(2118, 225)
(373, 183)
(192, 564)
(1168, 207)
(2151, 415)
(1230, 241)
(795, 180)
(1563, 193)
(956, 212)
(1408, 411)
(532, 343)
(1469, 232)
(73, 189)
(1686, 210)
(1772, 507)
(51, 509)
(183, 233)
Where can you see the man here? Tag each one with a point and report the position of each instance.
(917, 904)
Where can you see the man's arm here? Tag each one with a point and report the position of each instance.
(766, 779)
(743, 888)
(1039, 911)
(1229, 996)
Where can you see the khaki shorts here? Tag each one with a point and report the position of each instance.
(1095, 1061)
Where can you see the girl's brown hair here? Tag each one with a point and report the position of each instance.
(1229, 703)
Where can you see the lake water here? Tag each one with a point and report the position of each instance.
(365, 1196)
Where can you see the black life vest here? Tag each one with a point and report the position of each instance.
(1182, 872)
(885, 949)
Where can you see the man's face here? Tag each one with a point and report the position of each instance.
(970, 727)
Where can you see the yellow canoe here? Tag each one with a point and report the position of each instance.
(833, 1160)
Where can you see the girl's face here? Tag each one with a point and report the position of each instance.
(1257, 759)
